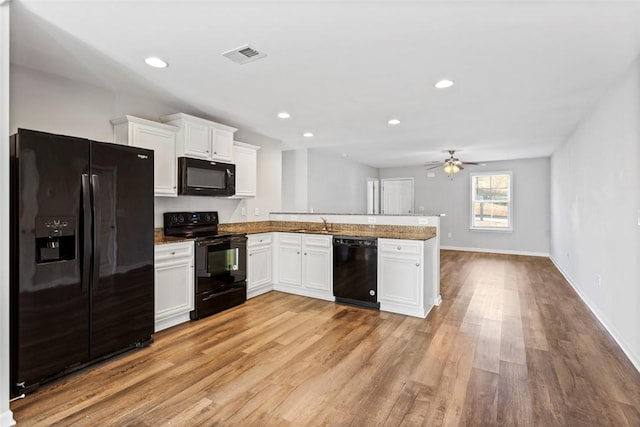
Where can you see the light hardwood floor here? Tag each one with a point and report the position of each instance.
(511, 344)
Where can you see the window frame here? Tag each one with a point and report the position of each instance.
(472, 200)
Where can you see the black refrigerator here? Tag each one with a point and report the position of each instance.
(82, 272)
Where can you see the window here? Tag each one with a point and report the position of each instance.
(491, 201)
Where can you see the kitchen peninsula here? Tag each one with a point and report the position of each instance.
(292, 252)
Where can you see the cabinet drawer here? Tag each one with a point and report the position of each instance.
(262, 239)
(400, 246)
(168, 251)
(318, 241)
(290, 239)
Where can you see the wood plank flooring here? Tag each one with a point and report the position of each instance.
(511, 345)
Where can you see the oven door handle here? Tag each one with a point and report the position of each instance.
(214, 241)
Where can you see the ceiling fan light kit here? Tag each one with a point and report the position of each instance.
(451, 166)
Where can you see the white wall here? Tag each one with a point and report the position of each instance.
(6, 417)
(324, 182)
(50, 103)
(337, 184)
(295, 180)
(452, 197)
(595, 211)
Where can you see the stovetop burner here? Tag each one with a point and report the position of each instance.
(191, 224)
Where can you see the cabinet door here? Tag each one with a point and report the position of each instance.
(259, 267)
(246, 163)
(317, 268)
(289, 265)
(221, 144)
(196, 140)
(400, 279)
(173, 292)
(163, 143)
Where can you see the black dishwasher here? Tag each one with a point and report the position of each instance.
(355, 271)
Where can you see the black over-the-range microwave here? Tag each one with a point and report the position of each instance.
(205, 178)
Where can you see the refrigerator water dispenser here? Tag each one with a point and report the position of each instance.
(55, 239)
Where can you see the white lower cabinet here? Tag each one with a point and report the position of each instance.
(259, 264)
(174, 281)
(405, 282)
(304, 265)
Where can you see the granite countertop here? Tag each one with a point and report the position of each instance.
(359, 214)
(407, 232)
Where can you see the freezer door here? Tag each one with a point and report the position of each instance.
(122, 293)
(49, 309)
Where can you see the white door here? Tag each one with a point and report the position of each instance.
(397, 196)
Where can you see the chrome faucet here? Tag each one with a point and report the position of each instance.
(325, 227)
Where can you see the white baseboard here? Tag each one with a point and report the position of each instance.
(6, 419)
(633, 358)
(495, 251)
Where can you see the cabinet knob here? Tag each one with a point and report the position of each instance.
(250, 254)
(399, 248)
(173, 253)
(215, 152)
(305, 253)
(298, 253)
(417, 264)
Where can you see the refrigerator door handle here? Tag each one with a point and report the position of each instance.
(86, 233)
(95, 189)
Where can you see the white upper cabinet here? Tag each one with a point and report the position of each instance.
(245, 157)
(221, 142)
(159, 137)
(202, 139)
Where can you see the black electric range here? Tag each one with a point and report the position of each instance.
(221, 260)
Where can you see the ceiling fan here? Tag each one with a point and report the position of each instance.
(451, 165)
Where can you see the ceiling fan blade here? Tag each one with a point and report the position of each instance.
(470, 163)
(434, 166)
(433, 163)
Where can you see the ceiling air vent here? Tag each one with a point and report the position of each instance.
(243, 54)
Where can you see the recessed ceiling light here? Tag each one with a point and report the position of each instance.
(152, 61)
(284, 115)
(443, 84)
(307, 134)
(394, 122)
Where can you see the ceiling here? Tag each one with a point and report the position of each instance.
(525, 72)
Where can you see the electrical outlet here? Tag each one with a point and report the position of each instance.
(421, 208)
(449, 235)
(243, 211)
(310, 210)
(256, 211)
(599, 281)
